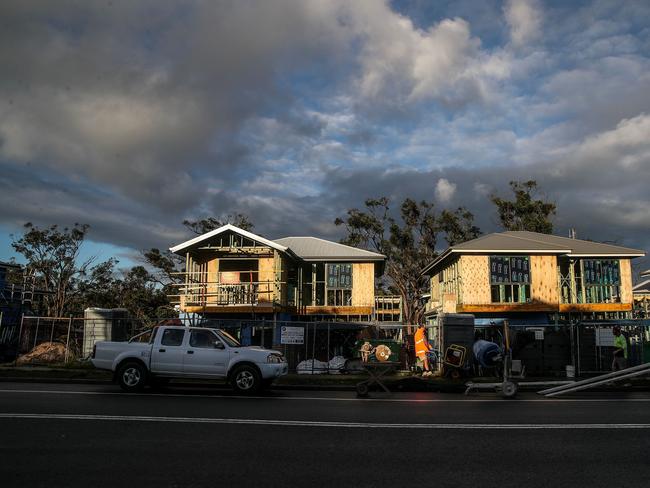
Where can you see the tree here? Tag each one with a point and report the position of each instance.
(458, 226)
(202, 226)
(524, 212)
(136, 290)
(409, 243)
(53, 256)
(169, 266)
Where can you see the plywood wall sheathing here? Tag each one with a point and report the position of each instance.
(449, 303)
(266, 272)
(544, 279)
(626, 281)
(213, 278)
(475, 279)
(363, 284)
(435, 289)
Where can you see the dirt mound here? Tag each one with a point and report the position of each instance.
(48, 352)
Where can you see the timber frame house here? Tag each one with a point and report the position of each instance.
(533, 278)
(233, 273)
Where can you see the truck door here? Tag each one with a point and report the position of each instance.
(167, 355)
(206, 355)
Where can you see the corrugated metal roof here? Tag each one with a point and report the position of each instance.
(643, 287)
(577, 246)
(315, 249)
(535, 243)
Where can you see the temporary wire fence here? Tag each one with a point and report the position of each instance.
(312, 347)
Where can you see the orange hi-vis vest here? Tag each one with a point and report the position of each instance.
(421, 344)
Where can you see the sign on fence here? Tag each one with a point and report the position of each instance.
(292, 335)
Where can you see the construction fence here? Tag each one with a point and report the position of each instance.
(321, 347)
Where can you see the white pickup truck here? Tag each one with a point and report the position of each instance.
(188, 352)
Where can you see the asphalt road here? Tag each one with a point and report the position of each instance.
(91, 436)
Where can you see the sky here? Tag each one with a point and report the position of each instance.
(133, 116)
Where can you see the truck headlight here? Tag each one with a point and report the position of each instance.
(274, 358)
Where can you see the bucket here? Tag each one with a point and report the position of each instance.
(570, 371)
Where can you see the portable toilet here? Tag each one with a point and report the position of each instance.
(103, 324)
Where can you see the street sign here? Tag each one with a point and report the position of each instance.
(292, 335)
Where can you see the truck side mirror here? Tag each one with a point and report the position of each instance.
(219, 345)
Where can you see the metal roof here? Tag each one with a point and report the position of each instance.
(222, 229)
(307, 248)
(315, 249)
(643, 287)
(534, 243)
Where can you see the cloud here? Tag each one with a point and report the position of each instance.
(134, 116)
(445, 190)
(524, 17)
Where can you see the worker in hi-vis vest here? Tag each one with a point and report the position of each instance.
(620, 350)
(422, 348)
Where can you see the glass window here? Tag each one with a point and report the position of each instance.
(339, 276)
(230, 340)
(339, 284)
(202, 338)
(172, 337)
(601, 280)
(510, 279)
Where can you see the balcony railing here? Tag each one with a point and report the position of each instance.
(223, 295)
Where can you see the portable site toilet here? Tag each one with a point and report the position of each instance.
(455, 331)
(103, 324)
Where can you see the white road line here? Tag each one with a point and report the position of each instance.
(332, 399)
(308, 423)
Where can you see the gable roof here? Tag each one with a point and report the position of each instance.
(307, 248)
(315, 249)
(534, 243)
(221, 230)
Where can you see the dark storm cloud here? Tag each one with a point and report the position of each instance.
(132, 116)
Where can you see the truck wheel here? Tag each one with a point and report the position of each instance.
(362, 389)
(246, 379)
(509, 389)
(132, 376)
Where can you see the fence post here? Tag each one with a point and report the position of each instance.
(313, 349)
(328, 348)
(52, 333)
(20, 334)
(67, 340)
(38, 320)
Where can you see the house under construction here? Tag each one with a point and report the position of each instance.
(233, 273)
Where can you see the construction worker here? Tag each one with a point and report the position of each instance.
(422, 348)
(620, 350)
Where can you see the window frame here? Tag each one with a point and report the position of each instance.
(339, 295)
(508, 290)
(162, 338)
(200, 331)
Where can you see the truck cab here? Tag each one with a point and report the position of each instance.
(188, 352)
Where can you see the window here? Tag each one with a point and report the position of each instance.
(601, 280)
(202, 338)
(339, 284)
(510, 279)
(172, 337)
